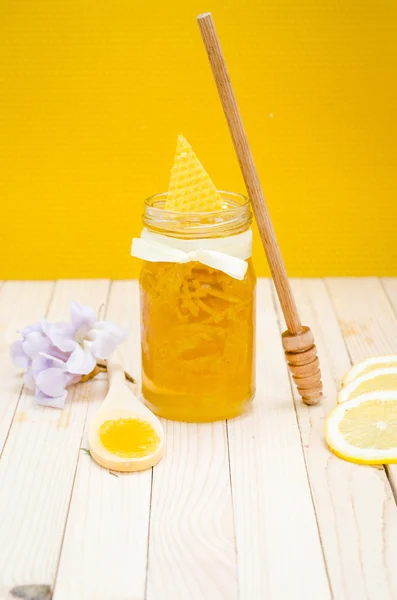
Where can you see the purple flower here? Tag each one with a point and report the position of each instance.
(56, 355)
(46, 367)
(33, 343)
(49, 378)
(85, 338)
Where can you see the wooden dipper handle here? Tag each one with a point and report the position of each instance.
(298, 341)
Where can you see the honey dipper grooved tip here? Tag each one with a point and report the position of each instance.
(301, 355)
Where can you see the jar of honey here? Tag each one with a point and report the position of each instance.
(197, 293)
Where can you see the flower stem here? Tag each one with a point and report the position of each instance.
(102, 368)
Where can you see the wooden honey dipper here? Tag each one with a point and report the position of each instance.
(298, 340)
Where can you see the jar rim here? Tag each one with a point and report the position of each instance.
(234, 219)
(226, 194)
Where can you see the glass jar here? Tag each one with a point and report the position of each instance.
(198, 322)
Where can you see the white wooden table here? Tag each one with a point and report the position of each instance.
(253, 509)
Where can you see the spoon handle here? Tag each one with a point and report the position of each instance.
(115, 369)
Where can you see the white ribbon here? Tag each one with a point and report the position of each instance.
(225, 254)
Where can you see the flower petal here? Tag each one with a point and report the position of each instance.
(41, 363)
(18, 356)
(30, 328)
(108, 337)
(81, 315)
(121, 333)
(51, 382)
(28, 380)
(81, 360)
(103, 346)
(44, 400)
(61, 335)
(36, 342)
(71, 379)
(55, 361)
(56, 353)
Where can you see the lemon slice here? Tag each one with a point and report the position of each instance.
(370, 364)
(364, 430)
(190, 188)
(373, 381)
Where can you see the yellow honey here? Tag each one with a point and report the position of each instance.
(128, 438)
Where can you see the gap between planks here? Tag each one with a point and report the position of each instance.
(389, 285)
(38, 465)
(276, 529)
(104, 554)
(15, 312)
(368, 319)
(356, 512)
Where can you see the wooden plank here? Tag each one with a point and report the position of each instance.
(192, 552)
(365, 315)
(383, 334)
(104, 554)
(21, 303)
(390, 287)
(354, 504)
(369, 327)
(278, 545)
(191, 546)
(38, 468)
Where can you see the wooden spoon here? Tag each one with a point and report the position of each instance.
(121, 403)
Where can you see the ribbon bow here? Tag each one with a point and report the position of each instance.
(155, 251)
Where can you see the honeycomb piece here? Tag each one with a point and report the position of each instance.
(190, 188)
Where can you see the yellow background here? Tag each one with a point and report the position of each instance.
(94, 92)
